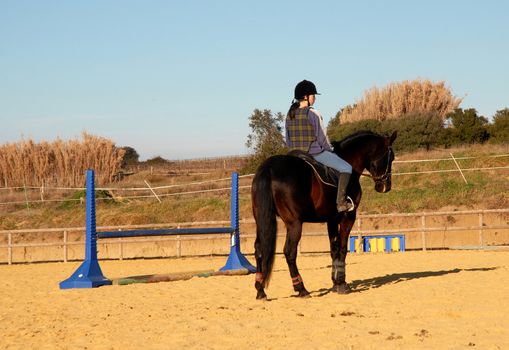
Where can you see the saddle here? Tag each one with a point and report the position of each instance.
(326, 175)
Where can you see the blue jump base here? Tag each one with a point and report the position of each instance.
(89, 274)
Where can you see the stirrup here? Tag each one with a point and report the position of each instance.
(346, 205)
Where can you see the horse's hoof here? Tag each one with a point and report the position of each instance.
(304, 294)
(342, 288)
(261, 295)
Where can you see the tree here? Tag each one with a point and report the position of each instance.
(157, 161)
(266, 138)
(131, 157)
(468, 126)
(499, 130)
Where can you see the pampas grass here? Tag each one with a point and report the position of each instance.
(401, 98)
(59, 163)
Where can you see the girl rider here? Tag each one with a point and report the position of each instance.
(305, 131)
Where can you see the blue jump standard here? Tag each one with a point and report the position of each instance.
(236, 260)
(89, 274)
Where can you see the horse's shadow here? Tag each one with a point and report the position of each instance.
(358, 286)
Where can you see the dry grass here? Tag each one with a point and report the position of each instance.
(193, 166)
(397, 99)
(432, 191)
(58, 163)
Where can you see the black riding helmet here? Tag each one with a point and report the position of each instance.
(304, 88)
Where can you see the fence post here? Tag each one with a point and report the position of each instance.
(153, 192)
(179, 247)
(481, 224)
(459, 169)
(42, 190)
(120, 248)
(65, 246)
(423, 224)
(9, 248)
(26, 196)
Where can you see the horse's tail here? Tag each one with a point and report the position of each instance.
(264, 210)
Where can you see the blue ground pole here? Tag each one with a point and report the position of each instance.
(89, 274)
(236, 260)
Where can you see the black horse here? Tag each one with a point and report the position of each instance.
(286, 186)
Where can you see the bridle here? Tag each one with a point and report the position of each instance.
(386, 174)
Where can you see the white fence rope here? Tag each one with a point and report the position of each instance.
(189, 184)
(449, 170)
(446, 159)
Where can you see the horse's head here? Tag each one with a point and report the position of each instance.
(368, 150)
(381, 164)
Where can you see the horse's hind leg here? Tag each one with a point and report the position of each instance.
(259, 280)
(293, 234)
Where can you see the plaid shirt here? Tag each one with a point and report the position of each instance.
(300, 133)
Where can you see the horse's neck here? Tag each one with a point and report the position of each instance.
(358, 162)
(359, 152)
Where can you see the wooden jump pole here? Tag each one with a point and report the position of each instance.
(89, 274)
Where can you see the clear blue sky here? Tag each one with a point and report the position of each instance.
(179, 79)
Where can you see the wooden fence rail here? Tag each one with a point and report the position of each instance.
(361, 229)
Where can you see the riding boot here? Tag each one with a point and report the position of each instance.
(343, 202)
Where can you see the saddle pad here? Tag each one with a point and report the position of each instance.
(326, 175)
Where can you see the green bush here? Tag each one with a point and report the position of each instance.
(336, 132)
(79, 197)
(414, 130)
(499, 130)
(418, 131)
(428, 130)
(468, 127)
(156, 161)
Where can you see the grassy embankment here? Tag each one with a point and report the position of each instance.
(410, 193)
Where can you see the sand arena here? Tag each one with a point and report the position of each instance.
(428, 300)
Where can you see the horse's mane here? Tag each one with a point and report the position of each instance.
(353, 138)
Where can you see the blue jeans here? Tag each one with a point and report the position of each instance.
(334, 161)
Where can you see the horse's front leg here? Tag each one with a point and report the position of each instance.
(338, 264)
(293, 235)
(338, 243)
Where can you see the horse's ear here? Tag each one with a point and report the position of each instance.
(393, 137)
